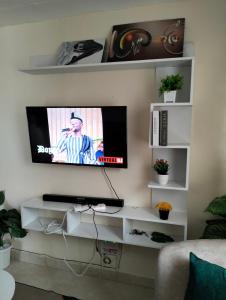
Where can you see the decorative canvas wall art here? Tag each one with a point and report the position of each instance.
(147, 40)
(80, 52)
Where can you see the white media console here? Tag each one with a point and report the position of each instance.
(36, 214)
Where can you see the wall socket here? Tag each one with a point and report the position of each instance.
(110, 254)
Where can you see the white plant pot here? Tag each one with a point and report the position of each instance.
(163, 179)
(170, 97)
(5, 255)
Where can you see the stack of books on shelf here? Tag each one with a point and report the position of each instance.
(159, 128)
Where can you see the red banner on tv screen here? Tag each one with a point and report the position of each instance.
(111, 160)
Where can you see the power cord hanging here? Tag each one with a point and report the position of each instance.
(59, 228)
(109, 181)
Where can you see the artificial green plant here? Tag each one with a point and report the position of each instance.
(216, 228)
(161, 166)
(10, 222)
(171, 83)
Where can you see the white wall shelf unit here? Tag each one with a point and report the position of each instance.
(172, 146)
(127, 65)
(36, 214)
(178, 160)
(179, 123)
(171, 185)
(177, 150)
(160, 104)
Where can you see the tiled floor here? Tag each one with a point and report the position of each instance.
(64, 283)
(27, 292)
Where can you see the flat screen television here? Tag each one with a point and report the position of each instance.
(86, 136)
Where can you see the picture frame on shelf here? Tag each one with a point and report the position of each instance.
(80, 52)
(147, 40)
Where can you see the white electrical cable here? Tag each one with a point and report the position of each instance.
(54, 227)
(81, 274)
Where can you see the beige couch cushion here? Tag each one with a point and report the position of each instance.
(173, 265)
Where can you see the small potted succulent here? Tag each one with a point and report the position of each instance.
(169, 86)
(164, 209)
(10, 223)
(161, 166)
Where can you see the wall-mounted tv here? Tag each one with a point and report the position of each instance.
(86, 136)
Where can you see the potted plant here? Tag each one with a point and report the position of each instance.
(164, 209)
(161, 166)
(170, 85)
(216, 228)
(10, 223)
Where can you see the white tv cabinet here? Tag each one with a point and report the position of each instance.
(37, 213)
(117, 227)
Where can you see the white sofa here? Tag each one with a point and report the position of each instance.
(173, 265)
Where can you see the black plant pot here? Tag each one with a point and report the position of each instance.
(164, 214)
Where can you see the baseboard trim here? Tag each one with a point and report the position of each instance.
(93, 271)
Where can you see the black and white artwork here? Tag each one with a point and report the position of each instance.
(80, 52)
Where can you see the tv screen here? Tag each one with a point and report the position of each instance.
(86, 136)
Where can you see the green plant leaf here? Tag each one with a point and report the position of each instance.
(161, 166)
(17, 231)
(10, 222)
(171, 83)
(3, 229)
(3, 212)
(218, 206)
(215, 231)
(2, 197)
(13, 213)
(217, 221)
(160, 237)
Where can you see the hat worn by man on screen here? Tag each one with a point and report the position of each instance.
(76, 116)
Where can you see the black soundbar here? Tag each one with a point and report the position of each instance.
(83, 200)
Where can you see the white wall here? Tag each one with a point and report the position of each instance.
(205, 24)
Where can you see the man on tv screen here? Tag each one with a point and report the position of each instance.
(78, 146)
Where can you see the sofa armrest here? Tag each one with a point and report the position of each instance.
(173, 265)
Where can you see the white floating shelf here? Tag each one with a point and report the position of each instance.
(160, 104)
(173, 146)
(142, 240)
(41, 223)
(146, 241)
(32, 218)
(38, 203)
(151, 215)
(127, 65)
(172, 185)
(105, 233)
